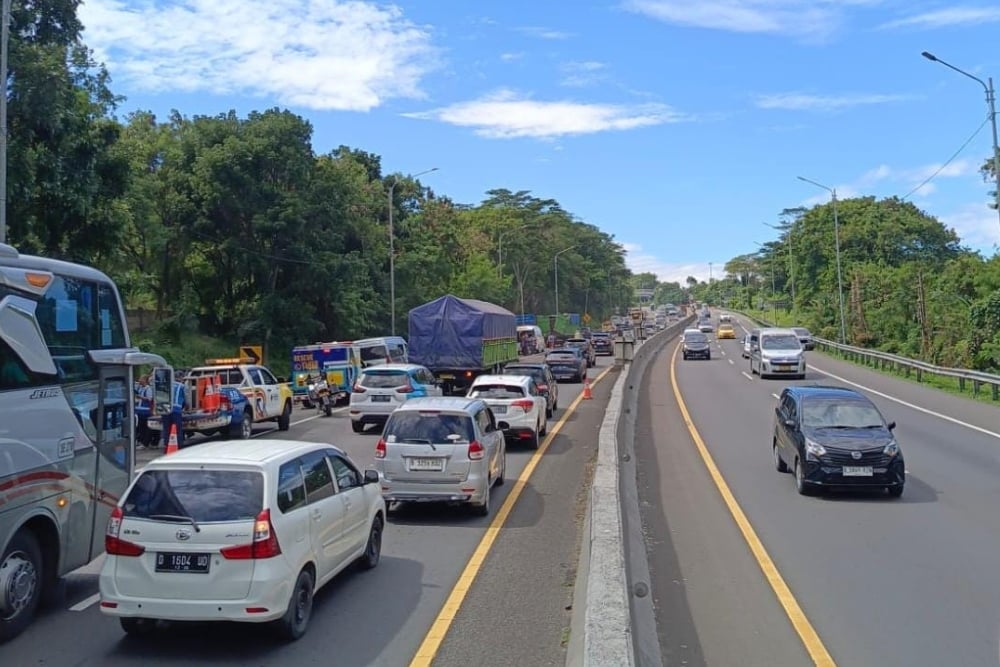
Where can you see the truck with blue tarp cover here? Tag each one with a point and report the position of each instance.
(338, 362)
(460, 339)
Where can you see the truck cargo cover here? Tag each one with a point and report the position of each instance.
(449, 332)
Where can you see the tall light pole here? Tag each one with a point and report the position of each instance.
(710, 273)
(791, 258)
(774, 309)
(991, 103)
(503, 233)
(392, 249)
(555, 263)
(4, 39)
(836, 238)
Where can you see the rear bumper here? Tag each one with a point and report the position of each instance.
(472, 490)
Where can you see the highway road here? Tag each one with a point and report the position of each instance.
(517, 610)
(878, 581)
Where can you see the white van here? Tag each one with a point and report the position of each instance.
(776, 352)
(384, 350)
(536, 341)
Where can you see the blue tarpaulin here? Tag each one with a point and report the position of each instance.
(449, 332)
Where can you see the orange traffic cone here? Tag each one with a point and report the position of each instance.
(172, 442)
(586, 390)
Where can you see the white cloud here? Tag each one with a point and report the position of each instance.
(638, 261)
(585, 73)
(509, 57)
(544, 33)
(952, 16)
(803, 18)
(884, 180)
(508, 115)
(976, 225)
(345, 55)
(805, 102)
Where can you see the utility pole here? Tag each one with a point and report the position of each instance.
(392, 247)
(4, 67)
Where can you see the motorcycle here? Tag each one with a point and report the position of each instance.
(320, 396)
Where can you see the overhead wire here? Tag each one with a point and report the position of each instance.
(953, 157)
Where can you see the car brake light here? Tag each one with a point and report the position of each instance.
(543, 387)
(380, 449)
(114, 545)
(264, 544)
(405, 389)
(525, 404)
(358, 389)
(476, 451)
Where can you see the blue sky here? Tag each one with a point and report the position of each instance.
(678, 126)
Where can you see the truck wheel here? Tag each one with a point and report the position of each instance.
(21, 577)
(245, 429)
(285, 420)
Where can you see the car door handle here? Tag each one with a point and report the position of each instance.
(317, 515)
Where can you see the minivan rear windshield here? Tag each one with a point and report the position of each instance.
(501, 391)
(384, 379)
(412, 426)
(203, 495)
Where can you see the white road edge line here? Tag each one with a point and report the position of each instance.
(776, 397)
(731, 361)
(909, 405)
(86, 602)
(746, 375)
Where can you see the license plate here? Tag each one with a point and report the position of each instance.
(182, 562)
(858, 471)
(499, 409)
(380, 399)
(427, 464)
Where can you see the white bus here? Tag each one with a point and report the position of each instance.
(66, 423)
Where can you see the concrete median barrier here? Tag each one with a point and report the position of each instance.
(613, 621)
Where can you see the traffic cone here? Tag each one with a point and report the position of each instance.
(586, 390)
(172, 442)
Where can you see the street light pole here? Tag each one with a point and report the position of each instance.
(4, 39)
(555, 263)
(836, 237)
(504, 232)
(791, 259)
(991, 103)
(774, 308)
(392, 249)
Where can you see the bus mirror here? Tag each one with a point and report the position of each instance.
(19, 329)
(163, 384)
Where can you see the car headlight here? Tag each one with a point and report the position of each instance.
(892, 449)
(815, 449)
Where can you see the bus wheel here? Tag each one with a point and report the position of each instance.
(20, 584)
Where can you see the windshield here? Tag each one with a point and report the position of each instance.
(384, 379)
(430, 427)
(838, 413)
(780, 342)
(695, 338)
(203, 495)
(497, 391)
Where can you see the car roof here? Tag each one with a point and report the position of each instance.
(502, 378)
(517, 365)
(779, 331)
(393, 367)
(826, 391)
(252, 452)
(450, 403)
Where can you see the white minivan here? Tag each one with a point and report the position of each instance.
(776, 352)
(243, 530)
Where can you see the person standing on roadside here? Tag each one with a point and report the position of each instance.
(143, 409)
(175, 416)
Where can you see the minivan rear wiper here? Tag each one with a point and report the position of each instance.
(177, 517)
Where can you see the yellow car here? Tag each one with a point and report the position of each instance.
(725, 331)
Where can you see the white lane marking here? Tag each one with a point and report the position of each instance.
(747, 375)
(296, 423)
(723, 351)
(731, 361)
(776, 396)
(86, 602)
(909, 405)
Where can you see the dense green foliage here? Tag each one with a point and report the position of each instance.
(234, 227)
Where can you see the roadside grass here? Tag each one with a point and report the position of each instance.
(982, 394)
(190, 350)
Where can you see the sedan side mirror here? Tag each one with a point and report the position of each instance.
(371, 477)
(891, 425)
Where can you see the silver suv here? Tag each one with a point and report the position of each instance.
(441, 450)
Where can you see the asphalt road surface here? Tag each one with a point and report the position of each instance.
(516, 611)
(882, 582)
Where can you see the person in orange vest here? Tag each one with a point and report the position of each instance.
(175, 416)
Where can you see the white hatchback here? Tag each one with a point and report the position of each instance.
(516, 403)
(238, 531)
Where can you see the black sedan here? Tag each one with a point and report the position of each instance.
(835, 437)
(602, 343)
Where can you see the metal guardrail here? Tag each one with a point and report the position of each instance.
(909, 367)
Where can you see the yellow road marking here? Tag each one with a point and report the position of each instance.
(435, 636)
(813, 644)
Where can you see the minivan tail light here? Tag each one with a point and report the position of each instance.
(476, 451)
(380, 449)
(405, 389)
(525, 404)
(264, 544)
(114, 545)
